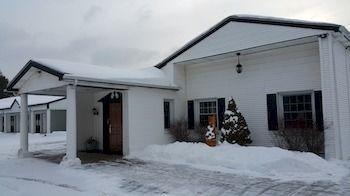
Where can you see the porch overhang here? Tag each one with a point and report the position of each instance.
(64, 78)
(254, 50)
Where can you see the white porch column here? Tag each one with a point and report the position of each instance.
(71, 121)
(48, 121)
(5, 123)
(335, 98)
(23, 151)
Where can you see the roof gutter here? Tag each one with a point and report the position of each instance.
(77, 80)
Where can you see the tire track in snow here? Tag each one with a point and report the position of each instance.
(44, 182)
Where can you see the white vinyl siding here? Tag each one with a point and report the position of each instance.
(290, 69)
(238, 35)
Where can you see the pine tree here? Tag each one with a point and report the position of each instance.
(3, 84)
(235, 129)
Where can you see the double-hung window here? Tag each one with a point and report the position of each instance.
(297, 111)
(206, 109)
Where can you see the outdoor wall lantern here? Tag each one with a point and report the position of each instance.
(239, 67)
(94, 111)
(114, 96)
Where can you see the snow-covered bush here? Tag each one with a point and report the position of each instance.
(234, 128)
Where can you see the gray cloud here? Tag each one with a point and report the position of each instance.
(92, 13)
(129, 33)
(123, 57)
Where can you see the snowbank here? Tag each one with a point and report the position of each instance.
(268, 162)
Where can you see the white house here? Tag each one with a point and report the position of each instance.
(285, 63)
(45, 113)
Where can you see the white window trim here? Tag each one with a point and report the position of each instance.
(196, 109)
(280, 108)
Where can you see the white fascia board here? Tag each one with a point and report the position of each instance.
(83, 81)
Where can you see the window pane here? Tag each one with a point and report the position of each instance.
(297, 111)
(293, 99)
(286, 108)
(286, 116)
(300, 107)
(206, 109)
(308, 98)
(203, 120)
(293, 107)
(300, 98)
(309, 115)
(307, 106)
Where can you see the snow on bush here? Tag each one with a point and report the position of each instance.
(234, 128)
(269, 162)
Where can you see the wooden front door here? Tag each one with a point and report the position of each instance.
(115, 128)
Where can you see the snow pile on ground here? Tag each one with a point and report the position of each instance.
(267, 162)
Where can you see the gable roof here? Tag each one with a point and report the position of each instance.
(255, 20)
(7, 103)
(149, 76)
(33, 100)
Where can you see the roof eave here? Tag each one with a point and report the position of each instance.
(121, 83)
(26, 68)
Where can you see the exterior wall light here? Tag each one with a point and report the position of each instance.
(94, 111)
(239, 67)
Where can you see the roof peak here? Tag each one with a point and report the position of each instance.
(255, 19)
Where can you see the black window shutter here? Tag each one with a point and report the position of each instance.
(272, 111)
(221, 111)
(190, 114)
(318, 109)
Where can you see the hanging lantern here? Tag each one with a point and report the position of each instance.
(239, 67)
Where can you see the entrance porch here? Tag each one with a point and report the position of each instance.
(94, 124)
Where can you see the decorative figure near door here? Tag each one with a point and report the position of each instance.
(210, 136)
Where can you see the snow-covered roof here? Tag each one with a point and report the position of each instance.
(257, 20)
(40, 99)
(7, 103)
(149, 76)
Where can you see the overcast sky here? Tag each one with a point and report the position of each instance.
(125, 33)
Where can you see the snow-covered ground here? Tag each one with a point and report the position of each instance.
(38, 177)
(265, 162)
(180, 175)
